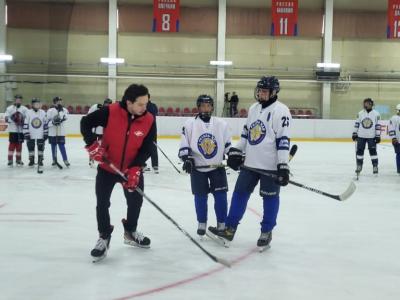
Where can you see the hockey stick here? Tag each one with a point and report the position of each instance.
(213, 257)
(167, 157)
(292, 152)
(55, 151)
(342, 197)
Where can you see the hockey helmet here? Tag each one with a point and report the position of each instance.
(369, 100)
(270, 83)
(107, 101)
(398, 107)
(205, 99)
(56, 99)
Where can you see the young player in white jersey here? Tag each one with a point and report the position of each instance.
(35, 132)
(14, 116)
(57, 116)
(367, 130)
(264, 146)
(204, 142)
(98, 131)
(394, 133)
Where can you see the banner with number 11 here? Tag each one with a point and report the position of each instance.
(284, 17)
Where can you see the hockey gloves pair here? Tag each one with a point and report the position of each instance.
(354, 137)
(57, 120)
(282, 175)
(96, 151)
(133, 176)
(188, 164)
(235, 158)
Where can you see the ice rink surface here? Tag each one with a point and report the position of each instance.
(321, 248)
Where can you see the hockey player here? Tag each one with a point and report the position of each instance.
(14, 116)
(153, 109)
(127, 140)
(367, 130)
(35, 131)
(394, 133)
(204, 142)
(264, 145)
(56, 116)
(98, 130)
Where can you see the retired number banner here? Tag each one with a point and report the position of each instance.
(166, 16)
(393, 16)
(284, 18)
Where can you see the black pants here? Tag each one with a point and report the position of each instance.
(361, 142)
(233, 109)
(154, 155)
(31, 148)
(105, 182)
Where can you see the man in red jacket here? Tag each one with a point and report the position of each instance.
(129, 131)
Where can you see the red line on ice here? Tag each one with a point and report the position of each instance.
(195, 277)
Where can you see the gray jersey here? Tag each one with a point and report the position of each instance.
(367, 124)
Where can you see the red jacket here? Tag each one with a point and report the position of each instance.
(123, 136)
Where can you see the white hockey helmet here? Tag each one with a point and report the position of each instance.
(398, 107)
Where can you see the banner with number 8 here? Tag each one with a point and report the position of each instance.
(166, 16)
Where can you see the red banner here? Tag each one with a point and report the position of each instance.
(284, 17)
(393, 16)
(166, 16)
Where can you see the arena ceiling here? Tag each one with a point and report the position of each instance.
(361, 5)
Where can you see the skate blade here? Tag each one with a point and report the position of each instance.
(134, 244)
(262, 249)
(217, 239)
(97, 259)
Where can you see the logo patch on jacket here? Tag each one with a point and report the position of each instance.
(139, 133)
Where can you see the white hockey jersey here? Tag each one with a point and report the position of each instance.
(98, 129)
(266, 136)
(394, 127)
(57, 130)
(367, 124)
(10, 111)
(205, 142)
(35, 124)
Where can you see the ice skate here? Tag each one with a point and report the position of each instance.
(10, 164)
(19, 163)
(221, 236)
(66, 163)
(99, 251)
(358, 170)
(135, 238)
(201, 230)
(375, 170)
(264, 241)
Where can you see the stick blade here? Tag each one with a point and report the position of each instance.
(224, 262)
(350, 190)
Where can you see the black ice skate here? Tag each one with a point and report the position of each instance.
(375, 170)
(66, 163)
(135, 238)
(201, 229)
(155, 170)
(31, 162)
(264, 241)
(221, 236)
(358, 170)
(19, 163)
(40, 166)
(99, 251)
(10, 163)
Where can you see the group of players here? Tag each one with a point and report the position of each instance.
(128, 139)
(367, 131)
(35, 126)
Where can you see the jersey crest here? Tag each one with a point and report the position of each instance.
(207, 145)
(257, 132)
(36, 123)
(367, 123)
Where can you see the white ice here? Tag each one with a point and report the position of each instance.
(321, 248)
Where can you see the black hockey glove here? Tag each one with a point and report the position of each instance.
(354, 137)
(395, 142)
(235, 158)
(188, 164)
(377, 139)
(283, 175)
(57, 120)
(27, 136)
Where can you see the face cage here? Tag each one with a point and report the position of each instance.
(36, 105)
(272, 93)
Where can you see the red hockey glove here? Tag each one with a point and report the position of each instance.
(133, 175)
(96, 151)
